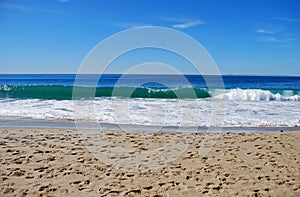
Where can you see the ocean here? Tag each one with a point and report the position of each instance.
(251, 101)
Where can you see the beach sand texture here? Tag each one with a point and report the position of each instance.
(56, 162)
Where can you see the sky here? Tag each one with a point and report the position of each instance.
(250, 37)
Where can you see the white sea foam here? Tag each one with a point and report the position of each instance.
(255, 95)
(249, 111)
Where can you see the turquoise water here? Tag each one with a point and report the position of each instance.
(60, 87)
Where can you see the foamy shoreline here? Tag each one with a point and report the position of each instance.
(62, 124)
(162, 112)
(56, 162)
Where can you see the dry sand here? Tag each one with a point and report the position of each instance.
(56, 162)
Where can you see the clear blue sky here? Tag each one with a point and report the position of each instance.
(243, 36)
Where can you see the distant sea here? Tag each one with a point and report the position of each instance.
(251, 101)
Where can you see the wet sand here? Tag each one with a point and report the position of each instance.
(61, 162)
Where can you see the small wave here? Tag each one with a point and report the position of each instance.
(66, 92)
(254, 95)
(36, 92)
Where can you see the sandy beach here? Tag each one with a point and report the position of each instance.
(57, 162)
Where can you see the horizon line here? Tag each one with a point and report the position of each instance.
(227, 74)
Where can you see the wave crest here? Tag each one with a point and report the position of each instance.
(254, 95)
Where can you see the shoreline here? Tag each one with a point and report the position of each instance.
(62, 124)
